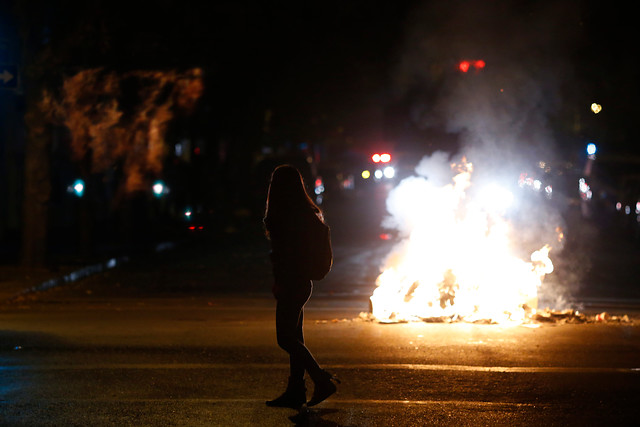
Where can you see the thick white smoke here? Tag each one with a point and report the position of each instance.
(501, 113)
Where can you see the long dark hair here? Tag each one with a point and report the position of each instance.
(287, 197)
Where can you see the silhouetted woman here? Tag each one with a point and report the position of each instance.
(288, 216)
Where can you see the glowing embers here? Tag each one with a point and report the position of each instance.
(456, 260)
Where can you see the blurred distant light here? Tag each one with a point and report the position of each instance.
(638, 208)
(385, 157)
(627, 209)
(591, 148)
(548, 190)
(188, 213)
(522, 180)
(585, 189)
(348, 183)
(596, 108)
(389, 172)
(465, 65)
(378, 174)
(376, 158)
(159, 188)
(77, 187)
(385, 236)
(319, 186)
(582, 185)
(618, 206)
(366, 174)
(537, 185)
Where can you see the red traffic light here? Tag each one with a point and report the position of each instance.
(465, 66)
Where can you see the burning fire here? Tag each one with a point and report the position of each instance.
(456, 260)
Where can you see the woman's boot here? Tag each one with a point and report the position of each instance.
(293, 397)
(324, 387)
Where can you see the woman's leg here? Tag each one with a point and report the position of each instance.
(289, 322)
(289, 319)
(289, 326)
(296, 365)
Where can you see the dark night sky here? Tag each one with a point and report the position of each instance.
(364, 65)
(350, 59)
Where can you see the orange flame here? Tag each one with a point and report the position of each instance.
(456, 260)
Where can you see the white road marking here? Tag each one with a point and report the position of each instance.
(334, 400)
(371, 366)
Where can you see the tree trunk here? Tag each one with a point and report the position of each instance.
(37, 188)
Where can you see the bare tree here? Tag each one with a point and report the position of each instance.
(66, 49)
(108, 133)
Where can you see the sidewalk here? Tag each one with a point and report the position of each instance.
(217, 263)
(16, 280)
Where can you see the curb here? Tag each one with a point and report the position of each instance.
(86, 271)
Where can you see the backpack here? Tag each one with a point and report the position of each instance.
(318, 257)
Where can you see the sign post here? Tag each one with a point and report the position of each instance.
(8, 77)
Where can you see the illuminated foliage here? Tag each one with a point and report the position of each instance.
(120, 120)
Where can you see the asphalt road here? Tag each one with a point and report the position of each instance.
(187, 337)
(214, 361)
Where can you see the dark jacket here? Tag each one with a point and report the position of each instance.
(289, 240)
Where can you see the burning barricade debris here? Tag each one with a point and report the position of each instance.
(455, 259)
(568, 316)
(460, 257)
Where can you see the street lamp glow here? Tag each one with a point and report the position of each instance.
(591, 148)
(596, 108)
(158, 188)
(366, 174)
(78, 187)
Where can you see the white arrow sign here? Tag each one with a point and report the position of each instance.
(6, 76)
